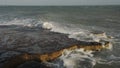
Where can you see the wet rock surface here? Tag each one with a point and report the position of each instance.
(33, 64)
(15, 42)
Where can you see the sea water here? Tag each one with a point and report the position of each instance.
(79, 22)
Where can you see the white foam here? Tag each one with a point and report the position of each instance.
(76, 32)
(110, 47)
(71, 29)
(87, 36)
(21, 22)
(78, 59)
(47, 25)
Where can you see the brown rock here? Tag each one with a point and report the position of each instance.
(20, 59)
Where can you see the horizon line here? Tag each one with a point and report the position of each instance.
(60, 5)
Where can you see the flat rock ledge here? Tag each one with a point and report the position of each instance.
(22, 48)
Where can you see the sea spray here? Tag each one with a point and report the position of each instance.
(72, 30)
(47, 25)
(87, 18)
(77, 33)
(78, 59)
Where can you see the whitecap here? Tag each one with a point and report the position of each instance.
(78, 59)
(47, 25)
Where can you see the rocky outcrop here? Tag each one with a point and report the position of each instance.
(15, 61)
(18, 46)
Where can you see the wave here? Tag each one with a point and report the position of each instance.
(22, 22)
(81, 59)
(47, 25)
(72, 30)
(78, 59)
(70, 59)
(77, 33)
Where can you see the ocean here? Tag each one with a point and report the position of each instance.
(78, 22)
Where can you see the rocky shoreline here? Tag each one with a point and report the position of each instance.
(18, 46)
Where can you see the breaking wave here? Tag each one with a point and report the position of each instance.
(81, 59)
(70, 59)
(72, 30)
(78, 59)
(77, 33)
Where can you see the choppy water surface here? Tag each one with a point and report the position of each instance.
(80, 22)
